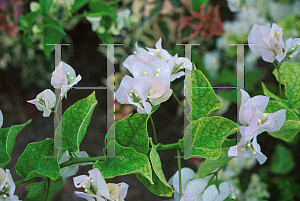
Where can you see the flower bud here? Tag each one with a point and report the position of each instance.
(259, 122)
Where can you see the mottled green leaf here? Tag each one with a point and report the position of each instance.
(131, 162)
(132, 131)
(282, 160)
(176, 3)
(7, 142)
(204, 99)
(211, 165)
(291, 79)
(38, 157)
(271, 95)
(164, 28)
(291, 125)
(74, 123)
(39, 190)
(208, 134)
(196, 4)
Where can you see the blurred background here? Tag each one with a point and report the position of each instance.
(26, 65)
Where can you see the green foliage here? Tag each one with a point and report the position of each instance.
(132, 131)
(160, 185)
(45, 6)
(7, 142)
(26, 26)
(130, 162)
(271, 95)
(196, 4)
(44, 190)
(53, 33)
(211, 165)
(78, 4)
(164, 28)
(74, 123)
(204, 100)
(208, 134)
(176, 3)
(38, 157)
(291, 125)
(282, 160)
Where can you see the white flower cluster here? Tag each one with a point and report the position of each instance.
(103, 191)
(152, 71)
(7, 186)
(194, 189)
(64, 78)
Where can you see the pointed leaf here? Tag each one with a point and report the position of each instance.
(7, 142)
(131, 162)
(39, 190)
(74, 123)
(291, 125)
(38, 157)
(270, 94)
(282, 160)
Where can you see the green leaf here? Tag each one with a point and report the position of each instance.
(78, 4)
(28, 20)
(99, 14)
(291, 74)
(204, 99)
(176, 3)
(38, 157)
(74, 123)
(132, 131)
(45, 6)
(211, 165)
(270, 94)
(155, 11)
(291, 125)
(160, 186)
(27, 39)
(131, 162)
(282, 160)
(38, 190)
(196, 4)
(7, 142)
(53, 33)
(164, 28)
(101, 7)
(208, 134)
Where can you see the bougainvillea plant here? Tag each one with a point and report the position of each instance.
(152, 69)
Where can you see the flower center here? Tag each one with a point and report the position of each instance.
(135, 97)
(177, 67)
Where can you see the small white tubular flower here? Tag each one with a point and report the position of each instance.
(44, 101)
(234, 5)
(1, 119)
(102, 190)
(123, 18)
(72, 169)
(7, 186)
(95, 21)
(267, 42)
(159, 51)
(131, 92)
(187, 175)
(177, 64)
(64, 77)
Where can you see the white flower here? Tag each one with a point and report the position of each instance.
(123, 18)
(95, 21)
(187, 175)
(64, 3)
(64, 77)
(212, 62)
(252, 113)
(234, 5)
(139, 91)
(44, 101)
(1, 119)
(72, 169)
(7, 186)
(267, 42)
(102, 190)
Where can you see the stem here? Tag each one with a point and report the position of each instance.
(178, 100)
(279, 82)
(168, 146)
(65, 164)
(179, 170)
(153, 128)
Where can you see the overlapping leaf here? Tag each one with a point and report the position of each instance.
(7, 142)
(131, 162)
(74, 123)
(291, 125)
(38, 157)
